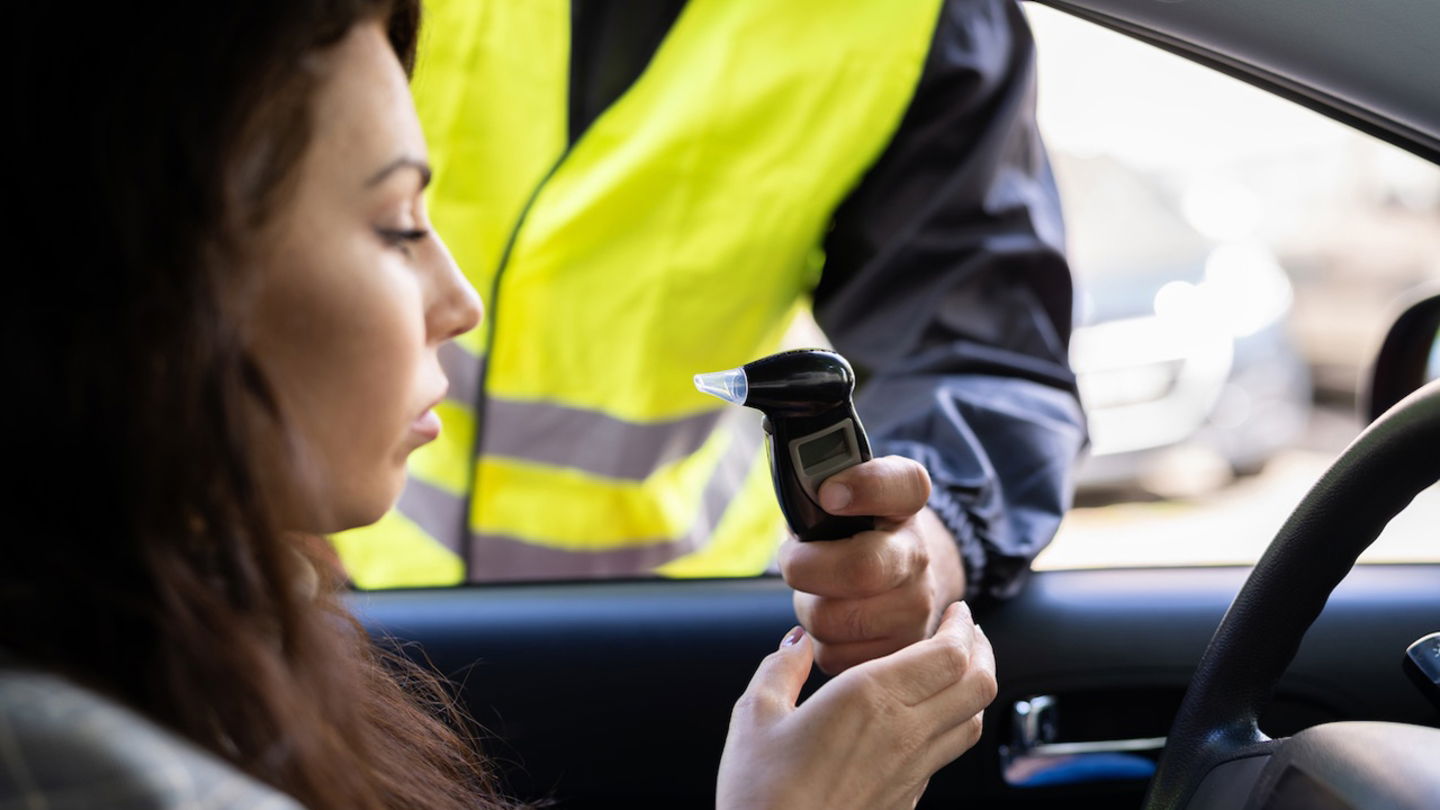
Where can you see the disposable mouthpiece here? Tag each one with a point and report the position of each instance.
(730, 386)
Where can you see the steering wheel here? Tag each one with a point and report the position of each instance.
(1215, 755)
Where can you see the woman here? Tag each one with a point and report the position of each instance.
(234, 350)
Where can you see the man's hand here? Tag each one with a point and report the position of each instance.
(871, 594)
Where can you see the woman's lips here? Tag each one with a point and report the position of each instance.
(427, 426)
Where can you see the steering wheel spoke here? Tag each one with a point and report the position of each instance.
(1230, 782)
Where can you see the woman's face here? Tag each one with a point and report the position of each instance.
(355, 296)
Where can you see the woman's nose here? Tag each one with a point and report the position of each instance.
(455, 307)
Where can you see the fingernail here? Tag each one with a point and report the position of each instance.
(965, 610)
(793, 637)
(834, 496)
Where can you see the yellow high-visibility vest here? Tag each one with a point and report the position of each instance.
(677, 235)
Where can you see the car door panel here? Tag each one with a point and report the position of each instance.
(606, 693)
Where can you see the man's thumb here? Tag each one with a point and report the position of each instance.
(777, 682)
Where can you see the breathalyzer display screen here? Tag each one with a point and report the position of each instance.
(829, 447)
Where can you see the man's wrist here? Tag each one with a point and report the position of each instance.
(952, 515)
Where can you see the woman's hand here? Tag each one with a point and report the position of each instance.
(870, 738)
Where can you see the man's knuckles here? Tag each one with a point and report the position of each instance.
(842, 621)
(870, 568)
(900, 614)
(866, 565)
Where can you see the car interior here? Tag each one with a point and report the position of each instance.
(1297, 682)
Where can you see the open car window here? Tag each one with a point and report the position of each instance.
(1238, 260)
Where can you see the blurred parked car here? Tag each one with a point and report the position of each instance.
(1181, 349)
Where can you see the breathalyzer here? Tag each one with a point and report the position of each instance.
(811, 430)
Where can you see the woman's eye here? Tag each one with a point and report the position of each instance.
(402, 238)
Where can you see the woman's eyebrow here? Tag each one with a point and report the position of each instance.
(400, 163)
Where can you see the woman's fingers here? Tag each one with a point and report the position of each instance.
(961, 708)
(927, 668)
(871, 737)
(776, 684)
(945, 681)
(953, 742)
(973, 689)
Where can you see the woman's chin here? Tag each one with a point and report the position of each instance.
(356, 512)
(360, 515)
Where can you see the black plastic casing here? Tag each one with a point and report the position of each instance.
(801, 392)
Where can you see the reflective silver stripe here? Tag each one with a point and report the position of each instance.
(440, 514)
(562, 436)
(495, 557)
(463, 370)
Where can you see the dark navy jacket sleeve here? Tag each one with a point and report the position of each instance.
(945, 283)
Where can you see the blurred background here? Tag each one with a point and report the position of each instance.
(1235, 281)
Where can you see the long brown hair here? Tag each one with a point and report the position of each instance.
(142, 556)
